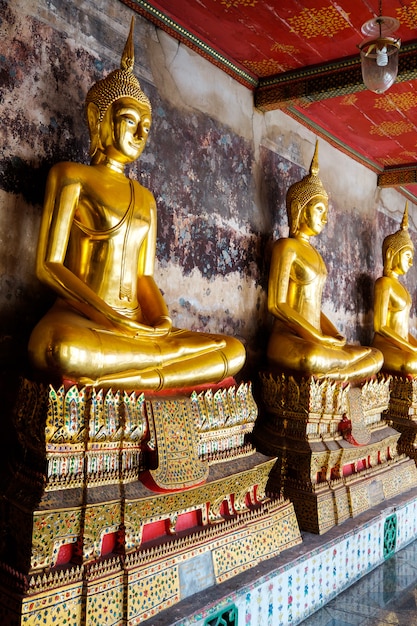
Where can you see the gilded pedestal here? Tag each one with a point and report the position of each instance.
(336, 456)
(402, 413)
(120, 501)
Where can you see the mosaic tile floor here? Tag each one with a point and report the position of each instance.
(386, 596)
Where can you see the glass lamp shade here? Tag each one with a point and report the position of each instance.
(379, 61)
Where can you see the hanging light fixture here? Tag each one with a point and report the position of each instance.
(379, 52)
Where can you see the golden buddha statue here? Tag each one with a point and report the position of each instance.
(392, 303)
(110, 326)
(303, 339)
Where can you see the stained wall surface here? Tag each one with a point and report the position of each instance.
(219, 170)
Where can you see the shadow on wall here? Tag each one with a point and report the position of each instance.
(364, 289)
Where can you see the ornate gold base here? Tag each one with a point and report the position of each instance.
(325, 505)
(313, 427)
(91, 542)
(154, 571)
(402, 413)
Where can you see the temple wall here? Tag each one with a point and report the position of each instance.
(219, 170)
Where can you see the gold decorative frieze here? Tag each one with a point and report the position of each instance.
(105, 597)
(247, 486)
(403, 399)
(88, 435)
(60, 603)
(223, 420)
(39, 583)
(397, 177)
(375, 395)
(304, 398)
(325, 505)
(51, 530)
(99, 520)
(322, 400)
(84, 528)
(266, 67)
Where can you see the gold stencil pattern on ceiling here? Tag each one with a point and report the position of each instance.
(408, 15)
(267, 67)
(397, 101)
(325, 22)
(235, 4)
(349, 100)
(391, 129)
(282, 47)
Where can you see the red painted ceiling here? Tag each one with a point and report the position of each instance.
(278, 49)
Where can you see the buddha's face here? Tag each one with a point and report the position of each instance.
(313, 217)
(124, 129)
(403, 260)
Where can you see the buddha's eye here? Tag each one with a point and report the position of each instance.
(146, 125)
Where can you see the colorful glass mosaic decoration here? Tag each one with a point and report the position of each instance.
(122, 495)
(337, 457)
(402, 413)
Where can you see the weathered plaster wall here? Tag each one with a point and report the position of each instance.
(219, 170)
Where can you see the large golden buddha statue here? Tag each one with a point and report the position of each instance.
(303, 339)
(110, 325)
(392, 303)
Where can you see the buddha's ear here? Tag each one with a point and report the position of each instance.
(93, 117)
(296, 213)
(389, 256)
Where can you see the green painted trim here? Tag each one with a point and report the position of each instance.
(333, 66)
(334, 140)
(407, 193)
(308, 71)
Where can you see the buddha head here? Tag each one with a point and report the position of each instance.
(303, 192)
(120, 90)
(393, 246)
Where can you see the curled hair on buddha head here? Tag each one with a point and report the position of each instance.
(118, 84)
(392, 244)
(301, 192)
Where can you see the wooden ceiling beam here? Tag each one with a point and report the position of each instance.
(321, 82)
(398, 176)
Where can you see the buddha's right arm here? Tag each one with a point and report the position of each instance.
(303, 328)
(83, 299)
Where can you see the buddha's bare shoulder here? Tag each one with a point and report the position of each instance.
(286, 245)
(386, 282)
(71, 171)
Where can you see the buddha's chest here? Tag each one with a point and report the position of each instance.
(109, 210)
(308, 269)
(400, 299)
